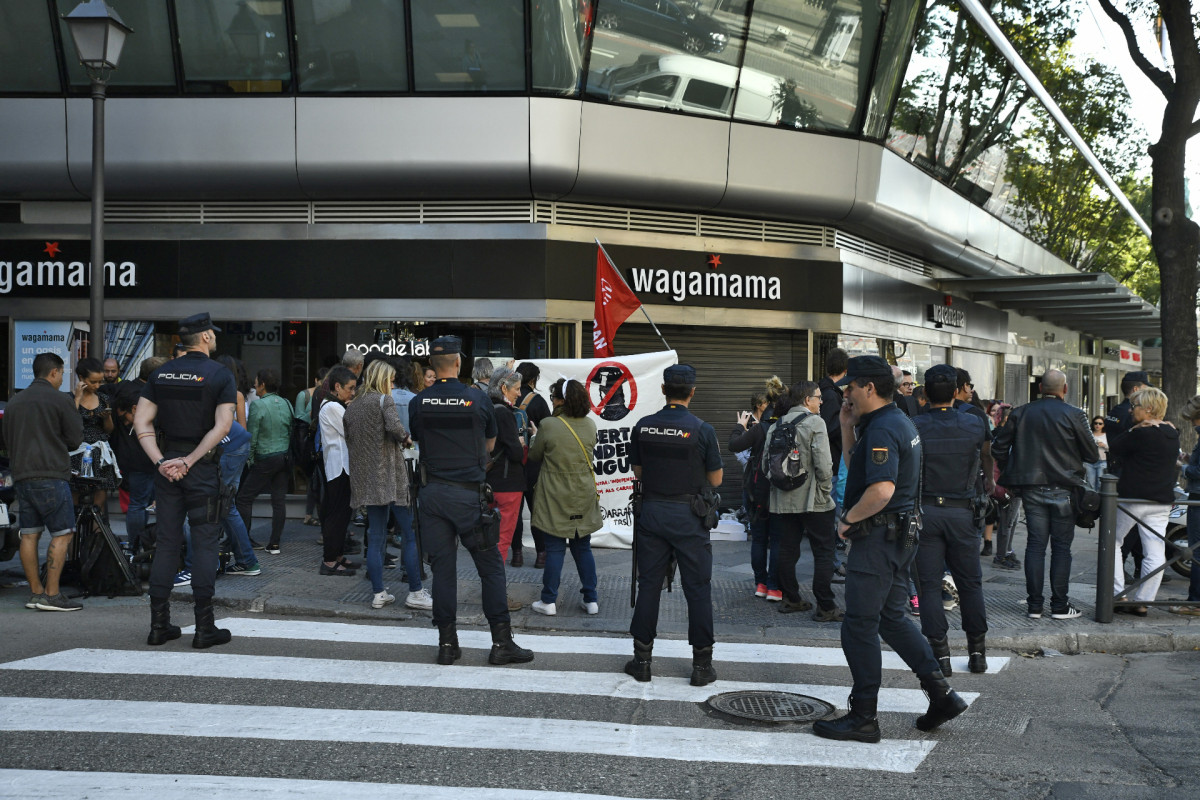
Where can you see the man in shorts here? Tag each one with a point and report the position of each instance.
(42, 426)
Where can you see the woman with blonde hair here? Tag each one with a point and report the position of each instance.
(1149, 455)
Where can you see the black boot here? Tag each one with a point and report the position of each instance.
(941, 651)
(161, 629)
(859, 724)
(448, 649)
(977, 651)
(987, 548)
(207, 632)
(638, 667)
(504, 649)
(944, 702)
(702, 668)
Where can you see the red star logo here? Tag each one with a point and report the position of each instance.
(714, 261)
(52, 249)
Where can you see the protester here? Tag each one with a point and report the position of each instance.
(1095, 470)
(242, 382)
(831, 401)
(1149, 455)
(535, 408)
(95, 411)
(1191, 473)
(429, 375)
(1008, 509)
(354, 360)
(235, 449)
(506, 462)
(305, 401)
(335, 506)
(749, 435)
(567, 509)
(270, 428)
(137, 469)
(112, 377)
(41, 426)
(481, 374)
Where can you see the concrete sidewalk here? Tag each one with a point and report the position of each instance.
(290, 585)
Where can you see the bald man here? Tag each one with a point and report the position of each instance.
(1041, 452)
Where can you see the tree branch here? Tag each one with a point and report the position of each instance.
(1160, 78)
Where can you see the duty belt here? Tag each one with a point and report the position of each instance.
(668, 498)
(884, 518)
(947, 502)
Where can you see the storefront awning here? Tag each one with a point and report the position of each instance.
(1088, 302)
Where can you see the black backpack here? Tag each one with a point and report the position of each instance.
(785, 466)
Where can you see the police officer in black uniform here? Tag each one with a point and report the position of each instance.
(881, 498)
(456, 428)
(956, 445)
(185, 411)
(676, 457)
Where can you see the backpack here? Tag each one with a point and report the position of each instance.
(785, 466)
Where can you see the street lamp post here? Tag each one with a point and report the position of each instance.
(99, 35)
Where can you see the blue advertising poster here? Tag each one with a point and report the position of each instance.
(31, 338)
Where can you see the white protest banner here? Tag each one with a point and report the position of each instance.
(622, 390)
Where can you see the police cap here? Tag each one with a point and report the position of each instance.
(197, 323)
(445, 346)
(941, 373)
(1130, 378)
(679, 375)
(865, 367)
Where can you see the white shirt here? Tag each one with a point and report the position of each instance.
(333, 440)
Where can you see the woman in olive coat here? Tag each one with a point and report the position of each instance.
(566, 505)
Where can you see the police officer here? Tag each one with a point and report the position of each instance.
(457, 429)
(881, 498)
(955, 446)
(185, 411)
(676, 457)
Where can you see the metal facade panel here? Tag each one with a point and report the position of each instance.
(188, 148)
(33, 149)
(413, 147)
(781, 172)
(554, 134)
(633, 156)
(725, 377)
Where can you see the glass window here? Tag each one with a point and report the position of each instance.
(560, 31)
(894, 48)
(146, 59)
(813, 60)
(686, 46)
(468, 45)
(27, 58)
(349, 46)
(233, 46)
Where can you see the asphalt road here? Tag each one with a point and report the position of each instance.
(354, 709)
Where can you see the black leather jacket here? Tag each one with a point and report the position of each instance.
(1044, 443)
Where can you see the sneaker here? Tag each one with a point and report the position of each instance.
(774, 595)
(360, 520)
(183, 579)
(914, 606)
(591, 608)
(34, 599)
(273, 548)
(381, 599)
(57, 602)
(760, 590)
(949, 592)
(1034, 613)
(257, 545)
(419, 599)
(1006, 562)
(1070, 612)
(1189, 611)
(549, 609)
(390, 561)
(249, 570)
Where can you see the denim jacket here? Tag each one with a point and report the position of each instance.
(1191, 471)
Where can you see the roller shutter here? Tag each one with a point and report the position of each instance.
(731, 363)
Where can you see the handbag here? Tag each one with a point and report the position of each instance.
(586, 457)
(1085, 501)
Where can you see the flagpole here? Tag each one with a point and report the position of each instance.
(641, 305)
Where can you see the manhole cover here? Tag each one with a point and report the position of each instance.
(771, 706)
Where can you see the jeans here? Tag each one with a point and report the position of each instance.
(377, 521)
(1156, 517)
(232, 462)
(585, 562)
(141, 495)
(268, 472)
(1092, 473)
(1193, 529)
(949, 538)
(819, 526)
(764, 552)
(1049, 518)
(1006, 526)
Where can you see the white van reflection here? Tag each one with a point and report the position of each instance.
(697, 86)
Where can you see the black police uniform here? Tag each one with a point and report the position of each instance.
(187, 391)
(675, 450)
(1117, 424)
(877, 570)
(452, 422)
(952, 442)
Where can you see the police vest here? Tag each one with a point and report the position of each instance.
(452, 441)
(952, 446)
(185, 391)
(672, 464)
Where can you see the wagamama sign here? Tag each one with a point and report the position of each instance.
(681, 285)
(18, 274)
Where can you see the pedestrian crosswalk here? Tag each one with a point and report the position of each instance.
(452, 710)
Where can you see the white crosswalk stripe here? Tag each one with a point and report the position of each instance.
(364, 723)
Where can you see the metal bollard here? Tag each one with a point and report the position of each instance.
(1106, 548)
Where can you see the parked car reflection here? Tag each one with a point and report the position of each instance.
(675, 24)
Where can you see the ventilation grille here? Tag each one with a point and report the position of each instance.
(506, 211)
